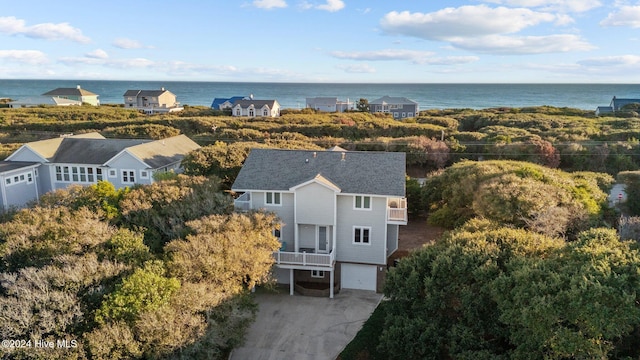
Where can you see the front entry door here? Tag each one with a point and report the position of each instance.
(322, 240)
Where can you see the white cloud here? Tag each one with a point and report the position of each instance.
(332, 6)
(484, 29)
(357, 68)
(48, 31)
(416, 57)
(31, 57)
(269, 4)
(465, 21)
(553, 5)
(619, 60)
(628, 16)
(124, 43)
(517, 45)
(97, 54)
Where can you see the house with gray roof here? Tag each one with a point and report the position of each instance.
(152, 101)
(77, 93)
(398, 107)
(329, 104)
(42, 166)
(616, 105)
(340, 212)
(252, 108)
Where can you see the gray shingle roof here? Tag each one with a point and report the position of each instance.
(155, 93)
(14, 165)
(256, 103)
(76, 91)
(91, 151)
(392, 100)
(361, 172)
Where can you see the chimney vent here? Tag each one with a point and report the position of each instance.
(315, 154)
(344, 155)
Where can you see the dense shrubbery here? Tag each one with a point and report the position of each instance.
(158, 271)
(488, 292)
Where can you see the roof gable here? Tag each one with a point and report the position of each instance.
(77, 91)
(355, 172)
(392, 100)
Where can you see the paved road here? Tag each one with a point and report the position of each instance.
(305, 328)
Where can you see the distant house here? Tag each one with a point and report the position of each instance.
(226, 103)
(329, 104)
(42, 166)
(398, 107)
(252, 108)
(77, 93)
(43, 101)
(152, 101)
(616, 105)
(340, 212)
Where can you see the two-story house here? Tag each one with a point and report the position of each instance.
(226, 103)
(329, 104)
(42, 166)
(253, 108)
(77, 94)
(340, 212)
(151, 101)
(398, 107)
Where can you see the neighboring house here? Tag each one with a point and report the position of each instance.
(329, 104)
(398, 107)
(151, 101)
(616, 105)
(77, 93)
(42, 101)
(226, 103)
(42, 166)
(340, 212)
(252, 108)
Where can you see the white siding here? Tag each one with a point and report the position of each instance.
(285, 213)
(315, 204)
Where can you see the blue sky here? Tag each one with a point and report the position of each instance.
(370, 41)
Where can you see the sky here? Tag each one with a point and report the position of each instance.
(332, 41)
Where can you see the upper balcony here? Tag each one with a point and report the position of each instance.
(397, 211)
(305, 259)
(243, 203)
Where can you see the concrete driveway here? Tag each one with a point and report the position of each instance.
(302, 327)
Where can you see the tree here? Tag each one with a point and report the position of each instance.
(428, 152)
(485, 292)
(362, 105)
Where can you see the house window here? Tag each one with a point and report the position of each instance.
(410, 114)
(238, 112)
(112, 173)
(29, 178)
(250, 112)
(265, 112)
(98, 174)
(8, 181)
(144, 174)
(404, 114)
(395, 114)
(317, 274)
(272, 198)
(362, 202)
(361, 235)
(276, 233)
(128, 176)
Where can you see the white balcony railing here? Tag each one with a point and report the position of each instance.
(243, 203)
(397, 210)
(304, 259)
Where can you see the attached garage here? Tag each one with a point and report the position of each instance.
(358, 276)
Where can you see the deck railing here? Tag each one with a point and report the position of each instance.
(397, 209)
(304, 259)
(243, 203)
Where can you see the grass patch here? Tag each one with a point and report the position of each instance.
(364, 345)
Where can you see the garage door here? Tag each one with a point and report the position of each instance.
(357, 276)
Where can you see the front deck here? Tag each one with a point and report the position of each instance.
(304, 260)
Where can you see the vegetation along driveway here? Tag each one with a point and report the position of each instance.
(303, 327)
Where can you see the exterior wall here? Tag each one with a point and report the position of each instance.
(21, 189)
(392, 238)
(315, 204)
(285, 213)
(167, 99)
(306, 236)
(24, 154)
(70, 174)
(375, 219)
(127, 163)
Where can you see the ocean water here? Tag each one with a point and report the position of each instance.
(293, 95)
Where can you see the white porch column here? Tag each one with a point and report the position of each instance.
(291, 284)
(331, 276)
